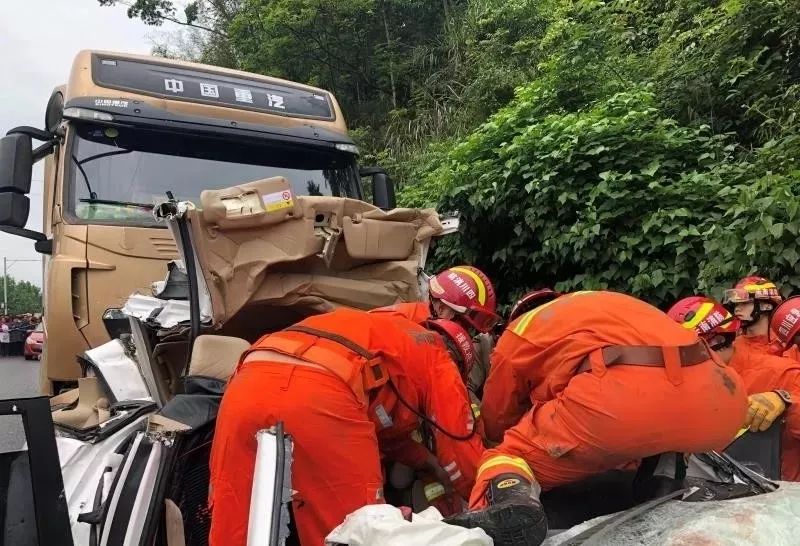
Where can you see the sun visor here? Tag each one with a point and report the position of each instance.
(250, 205)
(259, 244)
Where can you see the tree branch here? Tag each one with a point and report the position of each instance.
(179, 22)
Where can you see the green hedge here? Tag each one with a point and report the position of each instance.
(614, 196)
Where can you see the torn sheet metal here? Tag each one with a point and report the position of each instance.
(142, 307)
(165, 313)
(169, 210)
(176, 284)
(144, 359)
(119, 371)
(202, 287)
(172, 313)
(270, 474)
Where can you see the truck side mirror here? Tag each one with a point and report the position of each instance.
(16, 164)
(14, 209)
(383, 195)
(17, 157)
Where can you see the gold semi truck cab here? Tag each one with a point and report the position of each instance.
(128, 132)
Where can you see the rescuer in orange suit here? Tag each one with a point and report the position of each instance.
(529, 301)
(463, 294)
(349, 387)
(772, 381)
(592, 381)
(755, 298)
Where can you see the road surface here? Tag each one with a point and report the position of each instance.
(18, 378)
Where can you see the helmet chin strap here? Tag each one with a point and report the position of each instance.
(756, 314)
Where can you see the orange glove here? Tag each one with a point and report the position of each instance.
(764, 408)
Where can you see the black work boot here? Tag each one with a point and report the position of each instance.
(514, 516)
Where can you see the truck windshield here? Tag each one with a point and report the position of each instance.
(116, 175)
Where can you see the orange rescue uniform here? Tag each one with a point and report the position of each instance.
(340, 426)
(793, 352)
(417, 311)
(572, 414)
(764, 372)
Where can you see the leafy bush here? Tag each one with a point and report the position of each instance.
(613, 196)
(759, 230)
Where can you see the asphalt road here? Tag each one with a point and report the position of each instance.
(19, 378)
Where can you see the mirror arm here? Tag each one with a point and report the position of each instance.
(44, 150)
(22, 232)
(43, 245)
(33, 132)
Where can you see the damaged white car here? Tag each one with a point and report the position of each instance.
(123, 459)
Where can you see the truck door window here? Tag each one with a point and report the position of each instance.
(116, 175)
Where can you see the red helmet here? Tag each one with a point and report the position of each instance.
(468, 292)
(458, 343)
(532, 300)
(784, 324)
(708, 318)
(753, 289)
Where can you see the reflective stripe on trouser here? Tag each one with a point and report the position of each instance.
(601, 422)
(335, 460)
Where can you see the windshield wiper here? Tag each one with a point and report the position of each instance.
(92, 194)
(80, 163)
(94, 200)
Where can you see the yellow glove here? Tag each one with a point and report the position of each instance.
(764, 408)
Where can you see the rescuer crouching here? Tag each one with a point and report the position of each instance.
(583, 384)
(350, 388)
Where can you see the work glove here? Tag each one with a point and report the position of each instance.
(764, 408)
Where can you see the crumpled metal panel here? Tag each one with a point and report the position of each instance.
(119, 371)
(165, 313)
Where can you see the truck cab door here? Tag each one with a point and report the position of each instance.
(33, 511)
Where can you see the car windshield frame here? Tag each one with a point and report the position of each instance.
(73, 179)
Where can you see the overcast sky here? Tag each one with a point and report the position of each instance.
(38, 41)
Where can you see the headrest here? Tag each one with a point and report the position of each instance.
(216, 356)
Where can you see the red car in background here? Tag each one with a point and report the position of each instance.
(34, 343)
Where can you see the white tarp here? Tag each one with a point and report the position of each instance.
(383, 524)
(763, 520)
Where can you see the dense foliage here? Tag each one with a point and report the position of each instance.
(641, 145)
